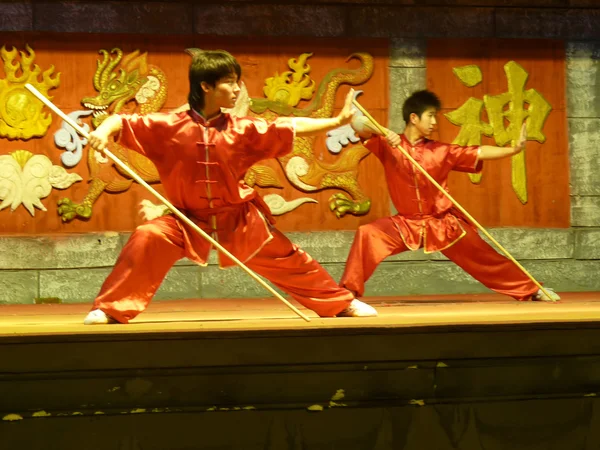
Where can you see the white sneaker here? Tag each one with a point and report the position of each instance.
(539, 296)
(97, 317)
(356, 308)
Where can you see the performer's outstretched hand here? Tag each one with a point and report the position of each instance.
(345, 115)
(520, 145)
(309, 126)
(490, 152)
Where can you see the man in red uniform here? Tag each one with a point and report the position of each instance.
(426, 218)
(202, 156)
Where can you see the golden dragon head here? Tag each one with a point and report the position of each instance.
(118, 87)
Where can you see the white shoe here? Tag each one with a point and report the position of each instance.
(97, 317)
(539, 296)
(356, 308)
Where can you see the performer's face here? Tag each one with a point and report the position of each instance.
(427, 122)
(225, 92)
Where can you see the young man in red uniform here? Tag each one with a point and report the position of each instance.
(202, 156)
(426, 218)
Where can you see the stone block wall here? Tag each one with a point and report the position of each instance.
(72, 268)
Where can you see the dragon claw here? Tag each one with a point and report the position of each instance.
(341, 205)
(69, 210)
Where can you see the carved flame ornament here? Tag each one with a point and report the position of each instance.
(292, 86)
(21, 114)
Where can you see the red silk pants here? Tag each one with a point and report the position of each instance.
(378, 240)
(156, 245)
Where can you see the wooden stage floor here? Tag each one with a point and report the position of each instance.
(229, 315)
(439, 372)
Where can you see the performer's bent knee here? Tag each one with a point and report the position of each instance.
(364, 231)
(148, 232)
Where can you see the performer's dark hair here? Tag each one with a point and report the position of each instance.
(209, 66)
(418, 102)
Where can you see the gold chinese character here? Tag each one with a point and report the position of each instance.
(506, 114)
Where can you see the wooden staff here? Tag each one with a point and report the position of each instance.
(165, 202)
(383, 131)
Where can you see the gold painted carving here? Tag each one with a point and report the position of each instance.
(469, 75)
(514, 107)
(292, 86)
(21, 115)
(303, 169)
(125, 84)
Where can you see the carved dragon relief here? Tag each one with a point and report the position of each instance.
(304, 171)
(135, 87)
(137, 84)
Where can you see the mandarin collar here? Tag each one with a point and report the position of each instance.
(198, 118)
(417, 142)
